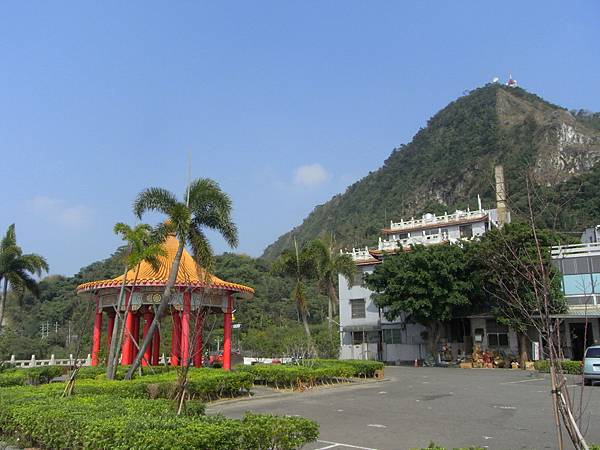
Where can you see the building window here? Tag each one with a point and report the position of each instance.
(497, 334)
(444, 232)
(466, 231)
(358, 337)
(403, 236)
(432, 231)
(359, 278)
(357, 307)
(578, 284)
(392, 336)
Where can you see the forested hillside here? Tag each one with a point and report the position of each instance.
(450, 161)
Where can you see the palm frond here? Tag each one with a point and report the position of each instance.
(201, 248)
(154, 199)
(9, 239)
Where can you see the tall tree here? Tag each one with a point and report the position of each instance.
(507, 259)
(328, 265)
(143, 244)
(18, 269)
(205, 206)
(300, 265)
(430, 285)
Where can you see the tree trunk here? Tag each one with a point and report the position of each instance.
(3, 301)
(115, 339)
(164, 302)
(333, 301)
(434, 330)
(523, 344)
(305, 323)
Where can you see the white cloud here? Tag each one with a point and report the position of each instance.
(310, 175)
(57, 211)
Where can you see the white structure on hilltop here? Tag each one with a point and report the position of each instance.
(365, 332)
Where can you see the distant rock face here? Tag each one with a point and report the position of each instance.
(449, 162)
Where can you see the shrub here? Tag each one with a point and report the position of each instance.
(311, 373)
(109, 422)
(35, 375)
(568, 366)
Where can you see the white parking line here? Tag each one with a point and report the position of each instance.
(523, 381)
(333, 444)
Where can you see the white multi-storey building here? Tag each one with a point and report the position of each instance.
(365, 332)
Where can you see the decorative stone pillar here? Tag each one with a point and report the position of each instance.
(198, 326)
(185, 329)
(176, 338)
(97, 333)
(148, 318)
(227, 322)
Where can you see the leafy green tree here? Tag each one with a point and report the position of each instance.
(328, 265)
(143, 244)
(507, 260)
(430, 285)
(205, 206)
(18, 269)
(300, 265)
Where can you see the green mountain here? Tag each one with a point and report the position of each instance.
(450, 161)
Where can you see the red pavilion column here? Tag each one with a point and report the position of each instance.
(156, 348)
(185, 329)
(227, 334)
(97, 333)
(198, 339)
(135, 342)
(176, 338)
(109, 330)
(148, 317)
(126, 353)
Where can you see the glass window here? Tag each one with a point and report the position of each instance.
(392, 336)
(577, 284)
(358, 337)
(580, 300)
(593, 353)
(432, 231)
(491, 326)
(403, 236)
(466, 231)
(373, 337)
(595, 262)
(596, 282)
(574, 266)
(498, 340)
(357, 307)
(359, 279)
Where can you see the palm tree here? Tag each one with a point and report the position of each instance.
(18, 269)
(205, 206)
(299, 265)
(143, 244)
(328, 265)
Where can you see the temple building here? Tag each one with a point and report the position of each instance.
(196, 293)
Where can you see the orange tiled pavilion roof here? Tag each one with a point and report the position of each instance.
(190, 274)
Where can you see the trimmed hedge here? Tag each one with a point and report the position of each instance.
(35, 375)
(568, 366)
(203, 384)
(109, 422)
(313, 373)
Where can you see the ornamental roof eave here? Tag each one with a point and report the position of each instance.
(439, 224)
(189, 275)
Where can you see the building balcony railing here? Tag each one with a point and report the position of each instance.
(571, 251)
(391, 245)
(429, 219)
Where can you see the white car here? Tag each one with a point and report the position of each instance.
(591, 365)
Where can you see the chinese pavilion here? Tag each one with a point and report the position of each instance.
(195, 294)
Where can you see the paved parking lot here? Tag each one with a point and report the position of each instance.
(497, 409)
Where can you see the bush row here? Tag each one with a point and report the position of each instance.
(202, 384)
(312, 373)
(570, 367)
(109, 422)
(35, 375)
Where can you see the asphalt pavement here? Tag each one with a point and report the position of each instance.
(496, 409)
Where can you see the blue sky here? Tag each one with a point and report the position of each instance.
(283, 103)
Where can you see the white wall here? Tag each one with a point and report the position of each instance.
(355, 292)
